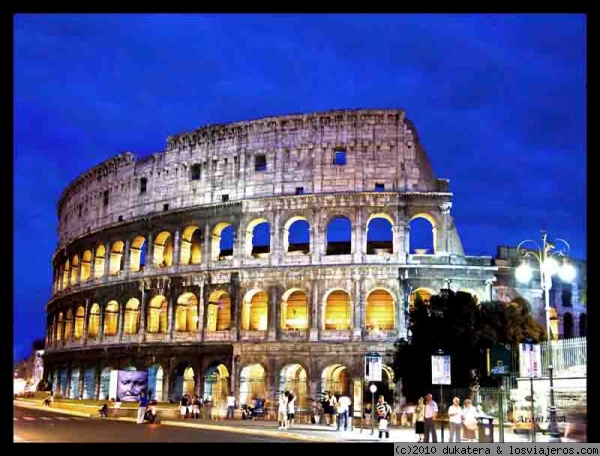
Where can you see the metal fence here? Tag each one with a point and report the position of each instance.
(566, 354)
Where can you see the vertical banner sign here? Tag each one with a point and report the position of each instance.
(440, 370)
(530, 360)
(357, 398)
(373, 367)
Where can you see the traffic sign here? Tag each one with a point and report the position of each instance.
(373, 367)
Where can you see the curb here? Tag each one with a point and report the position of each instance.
(31, 406)
(208, 427)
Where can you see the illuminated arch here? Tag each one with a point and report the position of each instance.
(132, 316)
(252, 383)
(218, 316)
(189, 381)
(69, 325)
(337, 309)
(255, 310)
(186, 313)
(111, 318)
(380, 246)
(86, 265)
(79, 322)
(163, 250)
(216, 385)
(157, 314)
(191, 246)
(335, 379)
(94, 321)
(343, 247)
(380, 310)
(433, 222)
(65, 274)
(137, 257)
(250, 248)
(99, 261)
(74, 269)
(293, 378)
(294, 310)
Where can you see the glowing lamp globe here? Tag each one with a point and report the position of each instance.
(523, 273)
(567, 272)
(373, 388)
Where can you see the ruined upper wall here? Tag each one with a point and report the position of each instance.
(223, 162)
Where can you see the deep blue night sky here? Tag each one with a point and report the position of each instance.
(499, 102)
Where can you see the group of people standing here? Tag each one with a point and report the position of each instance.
(462, 420)
(286, 409)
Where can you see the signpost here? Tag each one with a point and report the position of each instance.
(499, 363)
(440, 374)
(530, 362)
(373, 371)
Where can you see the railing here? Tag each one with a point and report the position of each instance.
(566, 353)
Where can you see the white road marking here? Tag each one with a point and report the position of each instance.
(15, 418)
(29, 418)
(62, 418)
(45, 418)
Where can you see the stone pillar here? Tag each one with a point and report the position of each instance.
(357, 302)
(362, 306)
(166, 381)
(121, 322)
(442, 228)
(149, 252)
(142, 322)
(316, 311)
(101, 323)
(98, 378)
(206, 247)
(201, 311)
(127, 257)
(397, 241)
(92, 265)
(107, 247)
(170, 313)
(81, 376)
(276, 239)
(273, 327)
(86, 319)
(488, 289)
(358, 228)
(176, 246)
(315, 238)
(68, 387)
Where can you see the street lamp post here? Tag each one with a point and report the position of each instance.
(548, 266)
(373, 389)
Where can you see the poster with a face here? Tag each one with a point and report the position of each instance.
(130, 384)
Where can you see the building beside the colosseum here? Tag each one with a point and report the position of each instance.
(244, 258)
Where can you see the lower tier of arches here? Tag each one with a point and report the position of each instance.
(251, 374)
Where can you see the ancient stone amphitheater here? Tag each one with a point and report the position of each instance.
(242, 259)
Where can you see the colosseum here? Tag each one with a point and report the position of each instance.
(243, 259)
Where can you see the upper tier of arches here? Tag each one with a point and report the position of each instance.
(320, 153)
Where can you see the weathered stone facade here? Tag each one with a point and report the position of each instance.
(143, 279)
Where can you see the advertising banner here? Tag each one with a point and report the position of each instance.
(130, 384)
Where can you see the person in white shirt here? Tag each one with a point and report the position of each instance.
(282, 411)
(343, 407)
(230, 405)
(455, 416)
(291, 408)
(431, 411)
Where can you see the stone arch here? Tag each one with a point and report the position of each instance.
(420, 233)
(111, 318)
(89, 382)
(86, 265)
(218, 314)
(294, 310)
(155, 382)
(424, 293)
(335, 379)
(255, 310)
(79, 322)
(338, 235)
(380, 312)
(253, 243)
(191, 245)
(567, 325)
(163, 250)
(385, 387)
(99, 259)
(74, 268)
(337, 309)
(380, 234)
(94, 320)
(69, 324)
(216, 384)
(65, 274)
(138, 254)
(189, 381)
(186, 312)
(157, 315)
(553, 323)
(116, 258)
(294, 230)
(218, 249)
(252, 383)
(294, 377)
(105, 383)
(132, 316)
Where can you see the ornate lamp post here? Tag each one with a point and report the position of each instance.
(546, 255)
(373, 389)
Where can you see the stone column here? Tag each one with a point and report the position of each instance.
(317, 312)
(68, 387)
(92, 265)
(273, 327)
(81, 376)
(101, 324)
(356, 309)
(362, 304)
(442, 229)
(201, 311)
(107, 247)
(127, 257)
(358, 228)
(121, 322)
(206, 247)
(276, 243)
(170, 313)
(142, 322)
(176, 246)
(86, 320)
(149, 252)
(98, 378)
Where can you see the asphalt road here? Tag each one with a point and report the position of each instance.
(41, 426)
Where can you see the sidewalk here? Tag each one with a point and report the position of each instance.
(300, 432)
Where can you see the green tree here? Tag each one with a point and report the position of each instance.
(463, 329)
